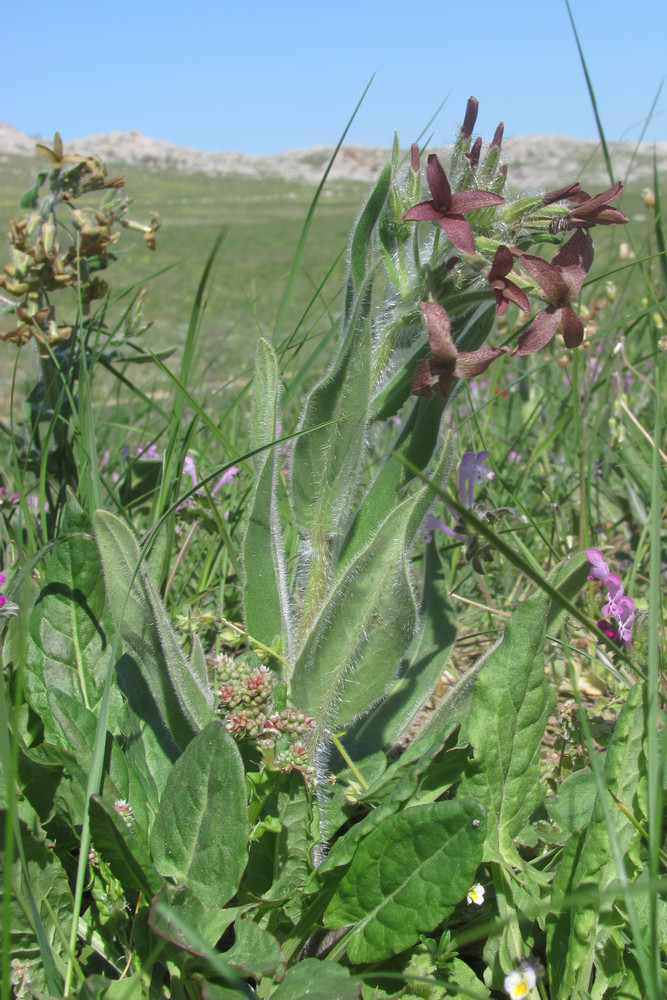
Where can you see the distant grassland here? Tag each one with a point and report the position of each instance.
(262, 221)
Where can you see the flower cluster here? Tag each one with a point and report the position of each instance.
(246, 693)
(619, 607)
(558, 282)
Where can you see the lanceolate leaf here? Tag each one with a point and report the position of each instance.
(184, 699)
(265, 592)
(200, 835)
(511, 702)
(407, 876)
(356, 644)
(422, 665)
(363, 233)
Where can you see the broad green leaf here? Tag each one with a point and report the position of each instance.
(120, 780)
(574, 934)
(265, 591)
(511, 703)
(573, 807)
(184, 700)
(422, 665)
(363, 232)
(407, 876)
(147, 742)
(124, 852)
(255, 952)
(184, 914)
(70, 625)
(200, 835)
(312, 979)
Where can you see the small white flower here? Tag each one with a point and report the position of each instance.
(519, 983)
(476, 894)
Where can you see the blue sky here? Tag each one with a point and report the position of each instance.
(264, 77)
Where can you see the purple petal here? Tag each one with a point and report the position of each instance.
(573, 327)
(599, 568)
(228, 476)
(438, 184)
(538, 334)
(433, 523)
(425, 211)
(472, 363)
(467, 201)
(458, 232)
(439, 328)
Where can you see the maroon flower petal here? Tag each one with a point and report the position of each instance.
(573, 327)
(438, 184)
(539, 333)
(424, 380)
(439, 330)
(502, 263)
(458, 232)
(516, 295)
(570, 191)
(547, 276)
(593, 204)
(467, 201)
(472, 363)
(424, 211)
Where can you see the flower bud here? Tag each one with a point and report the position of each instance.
(610, 291)
(624, 251)
(648, 197)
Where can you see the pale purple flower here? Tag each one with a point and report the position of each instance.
(473, 470)
(615, 593)
(189, 469)
(228, 476)
(599, 568)
(619, 606)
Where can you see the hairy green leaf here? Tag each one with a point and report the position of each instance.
(265, 591)
(200, 835)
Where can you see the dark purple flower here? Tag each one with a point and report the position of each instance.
(609, 630)
(505, 290)
(449, 209)
(561, 281)
(595, 211)
(438, 374)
